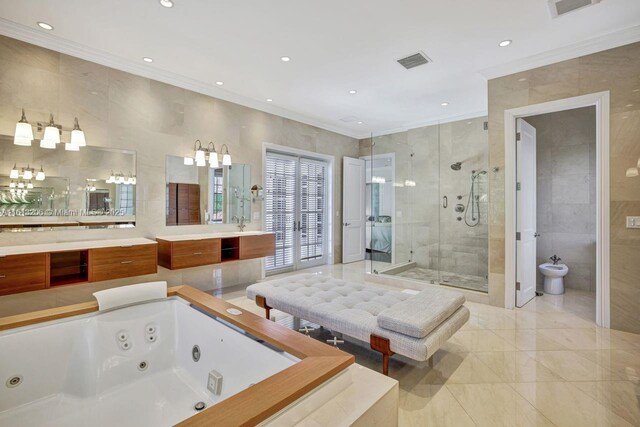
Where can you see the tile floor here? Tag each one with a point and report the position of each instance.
(475, 283)
(545, 364)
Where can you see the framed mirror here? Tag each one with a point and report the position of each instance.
(205, 195)
(54, 189)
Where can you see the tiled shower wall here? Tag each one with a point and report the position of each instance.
(566, 187)
(617, 71)
(426, 232)
(122, 110)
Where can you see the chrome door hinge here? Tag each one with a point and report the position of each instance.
(517, 235)
(517, 286)
(486, 125)
(517, 136)
(518, 186)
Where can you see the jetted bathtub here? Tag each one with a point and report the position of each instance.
(143, 365)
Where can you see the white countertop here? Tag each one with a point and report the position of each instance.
(73, 246)
(202, 236)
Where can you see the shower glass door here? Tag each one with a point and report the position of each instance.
(435, 228)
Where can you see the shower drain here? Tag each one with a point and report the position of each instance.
(143, 365)
(14, 381)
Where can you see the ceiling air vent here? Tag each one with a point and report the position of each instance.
(414, 60)
(560, 7)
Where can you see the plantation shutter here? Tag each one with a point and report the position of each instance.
(280, 191)
(312, 209)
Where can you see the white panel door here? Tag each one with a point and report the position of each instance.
(353, 210)
(526, 213)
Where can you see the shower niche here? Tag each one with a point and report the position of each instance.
(440, 200)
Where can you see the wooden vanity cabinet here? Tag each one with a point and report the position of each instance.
(62, 264)
(23, 273)
(119, 262)
(188, 253)
(180, 253)
(257, 246)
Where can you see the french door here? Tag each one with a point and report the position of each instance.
(296, 211)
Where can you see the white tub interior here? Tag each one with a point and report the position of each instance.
(76, 371)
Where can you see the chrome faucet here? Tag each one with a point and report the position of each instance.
(241, 224)
(556, 259)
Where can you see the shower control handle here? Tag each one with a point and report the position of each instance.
(445, 202)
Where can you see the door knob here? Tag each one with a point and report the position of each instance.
(346, 224)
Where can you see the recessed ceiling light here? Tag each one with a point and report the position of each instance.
(360, 123)
(629, 105)
(504, 43)
(636, 90)
(522, 79)
(45, 26)
(166, 3)
(353, 91)
(285, 59)
(269, 100)
(219, 83)
(444, 104)
(147, 59)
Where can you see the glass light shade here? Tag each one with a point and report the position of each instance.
(631, 172)
(77, 138)
(24, 131)
(29, 185)
(40, 175)
(69, 146)
(25, 142)
(120, 180)
(21, 184)
(226, 160)
(409, 183)
(14, 174)
(134, 180)
(200, 158)
(12, 184)
(213, 160)
(47, 144)
(188, 161)
(27, 174)
(52, 135)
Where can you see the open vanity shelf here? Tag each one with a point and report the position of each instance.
(34, 267)
(193, 250)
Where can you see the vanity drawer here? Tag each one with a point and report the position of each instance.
(119, 262)
(195, 260)
(117, 255)
(195, 247)
(22, 273)
(257, 246)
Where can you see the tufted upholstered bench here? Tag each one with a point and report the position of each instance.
(415, 326)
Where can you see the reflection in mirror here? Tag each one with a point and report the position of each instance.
(47, 189)
(205, 195)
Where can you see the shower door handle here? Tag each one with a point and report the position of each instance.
(445, 202)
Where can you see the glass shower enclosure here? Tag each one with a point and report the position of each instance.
(427, 201)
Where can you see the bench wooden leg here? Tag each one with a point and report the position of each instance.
(383, 346)
(262, 302)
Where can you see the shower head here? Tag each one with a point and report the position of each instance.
(456, 166)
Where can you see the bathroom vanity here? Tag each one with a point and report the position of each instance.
(193, 250)
(34, 267)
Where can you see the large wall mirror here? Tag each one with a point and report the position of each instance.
(54, 189)
(205, 195)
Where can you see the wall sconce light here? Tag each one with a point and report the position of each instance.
(24, 132)
(201, 154)
(29, 185)
(40, 176)
(51, 136)
(77, 135)
(27, 173)
(14, 174)
(631, 172)
(226, 158)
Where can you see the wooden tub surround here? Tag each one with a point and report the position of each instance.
(319, 362)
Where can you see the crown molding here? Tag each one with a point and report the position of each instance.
(51, 41)
(575, 50)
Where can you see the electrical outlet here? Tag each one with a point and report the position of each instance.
(633, 222)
